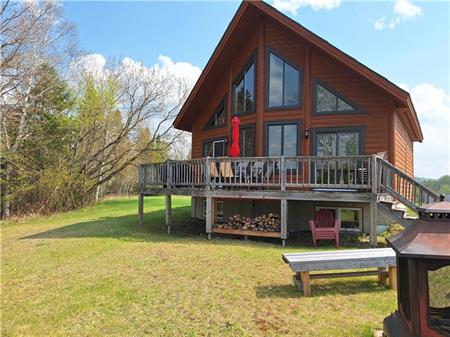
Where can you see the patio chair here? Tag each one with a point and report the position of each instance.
(226, 170)
(269, 170)
(241, 171)
(214, 172)
(325, 227)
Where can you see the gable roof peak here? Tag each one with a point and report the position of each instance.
(184, 123)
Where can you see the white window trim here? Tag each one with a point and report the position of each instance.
(338, 212)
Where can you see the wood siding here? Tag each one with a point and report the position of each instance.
(403, 147)
(377, 105)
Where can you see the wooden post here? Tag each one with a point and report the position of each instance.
(283, 173)
(304, 275)
(393, 277)
(168, 212)
(210, 215)
(373, 223)
(169, 174)
(140, 208)
(382, 277)
(307, 106)
(193, 207)
(208, 173)
(284, 220)
(260, 73)
(374, 174)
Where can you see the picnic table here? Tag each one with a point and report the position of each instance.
(302, 264)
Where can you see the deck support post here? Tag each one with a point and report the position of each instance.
(140, 208)
(210, 215)
(284, 220)
(168, 212)
(373, 223)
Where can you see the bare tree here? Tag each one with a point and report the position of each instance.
(135, 119)
(32, 33)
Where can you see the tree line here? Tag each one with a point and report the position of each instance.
(70, 135)
(441, 185)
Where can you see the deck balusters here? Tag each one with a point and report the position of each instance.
(281, 173)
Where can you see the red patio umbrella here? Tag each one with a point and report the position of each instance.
(234, 149)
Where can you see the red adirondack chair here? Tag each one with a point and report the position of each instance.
(325, 227)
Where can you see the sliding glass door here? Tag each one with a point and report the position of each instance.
(338, 142)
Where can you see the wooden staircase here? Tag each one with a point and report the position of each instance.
(399, 192)
(394, 210)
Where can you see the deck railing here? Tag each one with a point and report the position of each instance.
(403, 187)
(272, 173)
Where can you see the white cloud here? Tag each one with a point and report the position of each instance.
(432, 156)
(96, 64)
(403, 10)
(294, 5)
(91, 63)
(184, 70)
(380, 24)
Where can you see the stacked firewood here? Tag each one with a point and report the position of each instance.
(265, 223)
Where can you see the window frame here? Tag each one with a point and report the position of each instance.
(223, 103)
(267, 83)
(237, 80)
(219, 215)
(212, 140)
(246, 126)
(358, 109)
(298, 124)
(338, 209)
(361, 130)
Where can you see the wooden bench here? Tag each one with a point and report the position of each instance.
(381, 258)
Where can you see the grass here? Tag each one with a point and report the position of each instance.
(93, 272)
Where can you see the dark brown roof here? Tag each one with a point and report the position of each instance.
(184, 119)
(423, 239)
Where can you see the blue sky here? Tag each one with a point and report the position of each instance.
(407, 42)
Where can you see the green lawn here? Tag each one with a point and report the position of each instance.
(93, 272)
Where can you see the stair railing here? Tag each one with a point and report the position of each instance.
(403, 187)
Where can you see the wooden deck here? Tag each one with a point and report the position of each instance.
(345, 179)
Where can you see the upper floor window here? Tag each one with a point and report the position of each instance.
(244, 90)
(328, 101)
(218, 119)
(284, 84)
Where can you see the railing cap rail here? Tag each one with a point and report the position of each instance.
(415, 181)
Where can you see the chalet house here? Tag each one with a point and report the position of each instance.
(317, 129)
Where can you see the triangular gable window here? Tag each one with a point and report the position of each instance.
(218, 119)
(328, 101)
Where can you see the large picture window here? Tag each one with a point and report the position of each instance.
(328, 101)
(218, 119)
(247, 141)
(283, 83)
(244, 90)
(282, 139)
